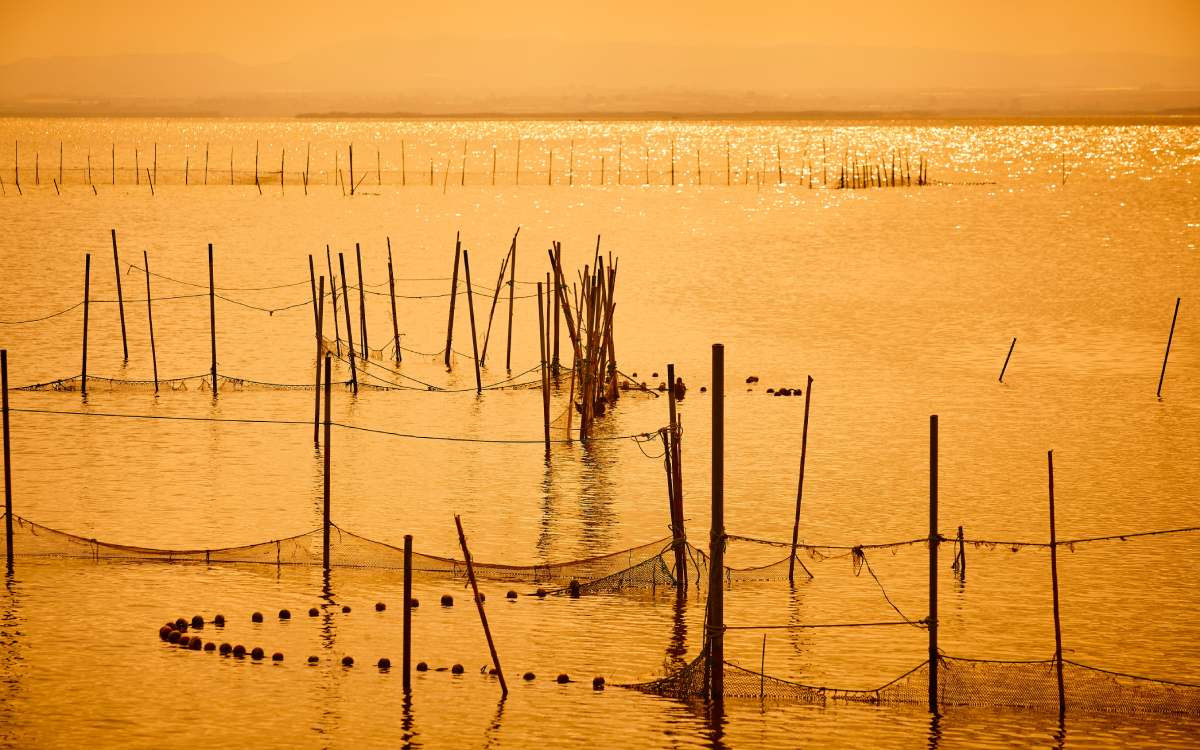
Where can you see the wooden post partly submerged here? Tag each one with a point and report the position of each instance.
(453, 298)
(933, 564)
(545, 380)
(678, 532)
(150, 317)
(1007, 357)
(1058, 660)
(512, 284)
(212, 317)
(8, 511)
(471, 314)
(120, 298)
(317, 386)
(800, 483)
(1167, 353)
(392, 296)
(337, 336)
(362, 303)
(349, 329)
(87, 285)
(716, 580)
(462, 540)
(328, 448)
(406, 651)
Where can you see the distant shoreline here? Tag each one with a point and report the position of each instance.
(1165, 117)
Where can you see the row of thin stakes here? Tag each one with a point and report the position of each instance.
(892, 168)
(586, 306)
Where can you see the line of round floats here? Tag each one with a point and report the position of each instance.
(175, 633)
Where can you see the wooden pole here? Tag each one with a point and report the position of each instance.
(545, 380)
(800, 483)
(327, 456)
(462, 180)
(120, 298)
(351, 169)
(362, 303)
(1058, 660)
(282, 156)
(406, 652)
(557, 257)
(453, 298)
(512, 285)
(212, 317)
(1008, 356)
(571, 165)
(337, 336)
(256, 164)
(678, 534)
(60, 161)
(403, 170)
(672, 161)
(378, 168)
(17, 163)
(933, 564)
(462, 540)
(150, 318)
(493, 165)
(155, 178)
(8, 511)
(87, 284)
(517, 178)
(1167, 353)
(206, 163)
(471, 314)
(320, 325)
(392, 295)
(716, 582)
(495, 298)
(307, 163)
(349, 329)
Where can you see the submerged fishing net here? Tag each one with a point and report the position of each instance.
(641, 567)
(1031, 685)
(200, 383)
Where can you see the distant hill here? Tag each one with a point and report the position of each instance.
(454, 76)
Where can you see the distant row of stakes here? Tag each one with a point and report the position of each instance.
(892, 167)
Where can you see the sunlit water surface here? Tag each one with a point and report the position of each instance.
(900, 303)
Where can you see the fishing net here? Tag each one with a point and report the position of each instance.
(200, 383)
(641, 567)
(1026, 685)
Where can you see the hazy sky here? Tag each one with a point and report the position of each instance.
(263, 31)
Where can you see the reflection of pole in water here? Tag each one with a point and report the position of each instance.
(677, 645)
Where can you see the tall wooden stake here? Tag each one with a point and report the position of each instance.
(392, 295)
(320, 325)
(328, 454)
(150, 318)
(800, 484)
(512, 285)
(351, 169)
(87, 285)
(349, 329)
(362, 303)
(1167, 353)
(716, 580)
(1058, 660)
(212, 317)
(462, 540)
(933, 564)
(557, 257)
(1008, 356)
(406, 651)
(120, 298)
(8, 511)
(545, 380)
(678, 533)
(453, 298)
(471, 314)
(337, 335)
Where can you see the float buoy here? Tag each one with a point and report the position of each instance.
(277, 656)
(347, 661)
(380, 606)
(422, 666)
(197, 622)
(219, 621)
(256, 617)
(511, 595)
(314, 659)
(597, 683)
(225, 648)
(562, 679)
(313, 611)
(257, 653)
(345, 609)
(239, 650)
(528, 676)
(385, 663)
(285, 615)
(456, 669)
(447, 600)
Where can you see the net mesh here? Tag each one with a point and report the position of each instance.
(201, 383)
(639, 567)
(1027, 685)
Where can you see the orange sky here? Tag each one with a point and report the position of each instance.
(257, 31)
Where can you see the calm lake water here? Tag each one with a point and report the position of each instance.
(900, 303)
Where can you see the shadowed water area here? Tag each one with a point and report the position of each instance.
(899, 302)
